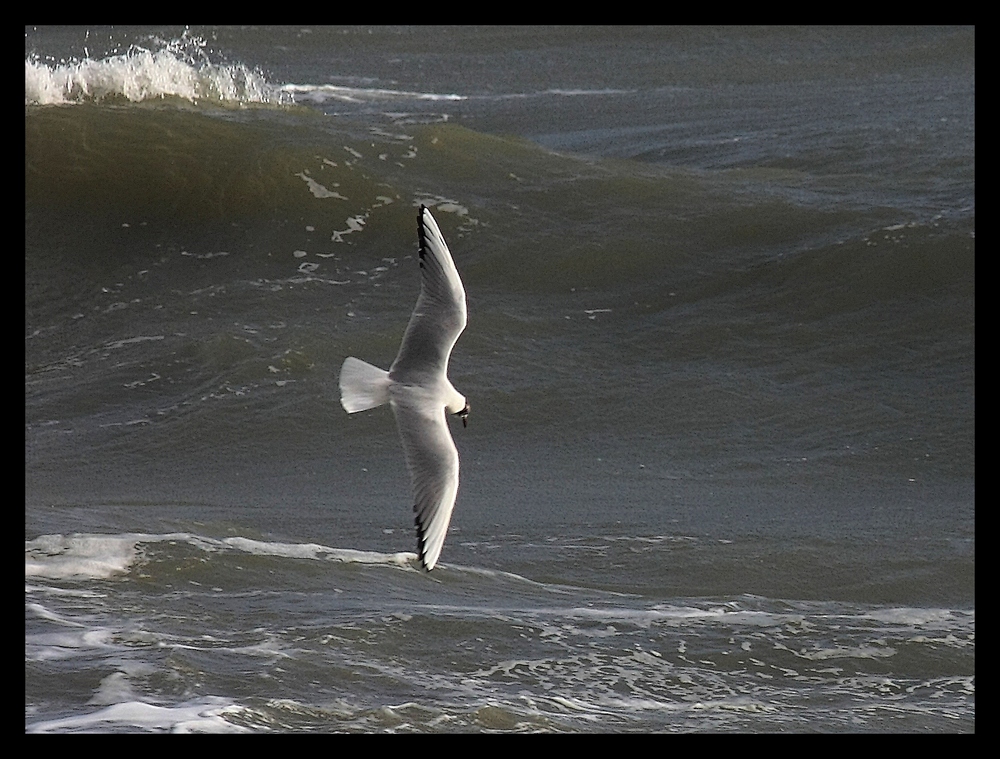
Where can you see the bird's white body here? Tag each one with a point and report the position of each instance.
(419, 391)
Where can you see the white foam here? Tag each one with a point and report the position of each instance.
(207, 716)
(141, 75)
(908, 616)
(114, 689)
(82, 556)
(318, 190)
(316, 551)
(840, 652)
(68, 644)
(321, 93)
(60, 557)
(581, 92)
(41, 612)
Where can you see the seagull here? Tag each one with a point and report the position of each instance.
(419, 391)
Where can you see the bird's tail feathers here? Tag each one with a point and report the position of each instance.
(362, 386)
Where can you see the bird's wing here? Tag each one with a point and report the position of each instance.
(432, 459)
(440, 314)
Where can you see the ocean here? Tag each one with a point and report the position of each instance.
(719, 474)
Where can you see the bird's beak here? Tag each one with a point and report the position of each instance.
(464, 413)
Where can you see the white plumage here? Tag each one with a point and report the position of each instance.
(418, 389)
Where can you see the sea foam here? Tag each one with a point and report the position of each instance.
(141, 75)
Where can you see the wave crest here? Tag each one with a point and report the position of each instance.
(179, 69)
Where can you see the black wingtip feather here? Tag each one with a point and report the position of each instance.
(421, 544)
(421, 234)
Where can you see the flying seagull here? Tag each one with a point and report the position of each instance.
(418, 389)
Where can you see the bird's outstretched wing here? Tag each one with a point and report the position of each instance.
(440, 315)
(432, 460)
